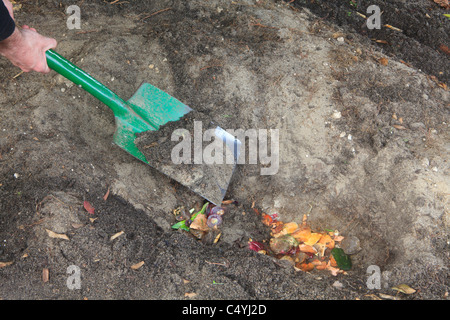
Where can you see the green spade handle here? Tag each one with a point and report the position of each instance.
(70, 71)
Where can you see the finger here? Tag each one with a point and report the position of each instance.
(50, 43)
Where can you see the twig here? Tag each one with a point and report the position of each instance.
(225, 264)
(212, 66)
(17, 75)
(154, 13)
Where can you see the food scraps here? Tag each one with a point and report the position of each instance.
(307, 249)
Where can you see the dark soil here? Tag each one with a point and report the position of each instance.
(424, 36)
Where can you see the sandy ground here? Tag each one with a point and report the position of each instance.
(363, 149)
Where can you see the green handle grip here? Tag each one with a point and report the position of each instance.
(70, 71)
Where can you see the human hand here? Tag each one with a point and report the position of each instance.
(26, 48)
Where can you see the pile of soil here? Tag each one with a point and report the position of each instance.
(210, 180)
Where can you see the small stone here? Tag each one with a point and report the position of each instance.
(336, 114)
(340, 39)
(350, 245)
(425, 162)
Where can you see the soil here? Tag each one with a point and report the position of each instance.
(185, 137)
(363, 149)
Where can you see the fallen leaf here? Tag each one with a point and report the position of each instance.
(45, 275)
(404, 288)
(387, 296)
(338, 238)
(55, 235)
(137, 265)
(190, 294)
(118, 234)
(399, 127)
(105, 197)
(77, 225)
(383, 61)
(5, 264)
(442, 85)
(217, 238)
(89, 208)
(225, 202)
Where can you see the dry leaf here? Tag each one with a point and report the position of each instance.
(55, 235)
(442, 85)
(190, 294)
(185, 281)
(118, 234)
(105, 197)
(217, 238)
(383, 61)
(137, 265)
(77, 225)
(5, 264)
(399, 127)
(89, 208)
(45, 275)
(404, 288)
(225, 202)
